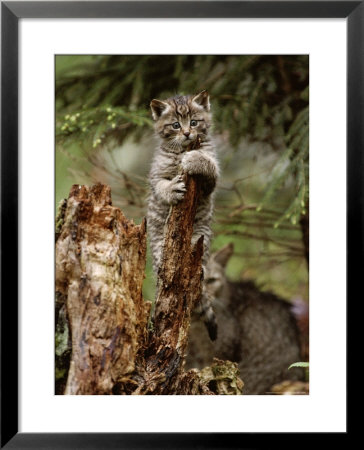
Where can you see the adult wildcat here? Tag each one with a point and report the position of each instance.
(257, 330)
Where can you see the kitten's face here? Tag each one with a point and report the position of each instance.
(179, 120)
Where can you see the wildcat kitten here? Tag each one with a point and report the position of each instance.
(180, 122)
(256, 329)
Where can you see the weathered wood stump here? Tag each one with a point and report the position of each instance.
(178, 290)
(100, 262)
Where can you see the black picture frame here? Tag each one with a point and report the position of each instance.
(11, 12)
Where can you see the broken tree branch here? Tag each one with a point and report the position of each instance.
(178, 290)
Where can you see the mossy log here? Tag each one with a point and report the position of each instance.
(100, 263)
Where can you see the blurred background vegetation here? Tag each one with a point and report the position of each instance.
(104, 133)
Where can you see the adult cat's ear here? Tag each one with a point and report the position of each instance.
(202, 99)
(157, 107)
(223, 255)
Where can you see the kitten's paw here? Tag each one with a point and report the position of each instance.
(178, 189)
(192, 162)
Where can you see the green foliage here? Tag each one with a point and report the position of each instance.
(293, 162)
(304, 365)
(104, 129)
(254, 96)
(102, 100)
(96, 126)
(299, 364)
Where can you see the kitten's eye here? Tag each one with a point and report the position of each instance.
(176, 125)
(211, 280)
(193, 123)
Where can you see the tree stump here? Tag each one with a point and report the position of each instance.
(100, 263)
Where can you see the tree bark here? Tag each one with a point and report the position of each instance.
(100, 262)
(178, 290)
(100, 259)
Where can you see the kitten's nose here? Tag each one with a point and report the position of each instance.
(186, 133)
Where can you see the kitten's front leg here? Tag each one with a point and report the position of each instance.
(197, 162)
(171, 191)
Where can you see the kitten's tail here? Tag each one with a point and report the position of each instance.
(208, 316)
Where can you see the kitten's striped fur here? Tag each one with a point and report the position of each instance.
(179, 121)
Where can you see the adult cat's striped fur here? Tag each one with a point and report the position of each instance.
(258, 330)
(179, 122)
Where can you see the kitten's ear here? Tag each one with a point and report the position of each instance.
(223, 255)
(157, 107)
(202, 99)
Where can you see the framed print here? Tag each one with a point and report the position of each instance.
(84, 84)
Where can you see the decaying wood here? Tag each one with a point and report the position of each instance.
(178, 290)
(100, 262)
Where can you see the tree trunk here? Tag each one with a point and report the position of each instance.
(100, 262)
(178, 290)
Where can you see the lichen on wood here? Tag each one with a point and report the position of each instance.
(221, 378)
